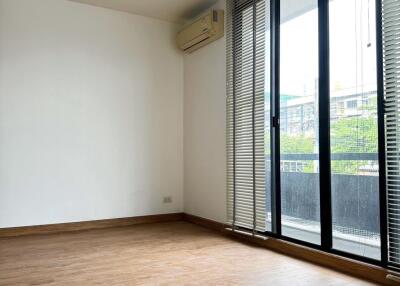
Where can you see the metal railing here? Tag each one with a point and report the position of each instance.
(355, 197)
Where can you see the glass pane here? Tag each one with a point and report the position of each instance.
(267, 125)
(354, 132)
(299, 120)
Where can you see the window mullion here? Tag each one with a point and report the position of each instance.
(324, 125)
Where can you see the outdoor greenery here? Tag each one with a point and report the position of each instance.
(348, 135)
(353, 135)
(299, 144)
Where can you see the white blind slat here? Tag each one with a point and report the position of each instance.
(391, 59)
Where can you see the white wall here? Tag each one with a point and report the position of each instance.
(204, 131)
(91, 109)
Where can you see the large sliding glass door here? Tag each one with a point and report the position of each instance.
(327, 181)
(299, 155)
(354, 128)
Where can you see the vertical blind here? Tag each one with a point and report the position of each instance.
(245, 114)
(391, 60)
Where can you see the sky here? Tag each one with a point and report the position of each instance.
(352, 62)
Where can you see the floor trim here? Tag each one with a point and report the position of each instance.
(352, 267)
(86, 225)
(208, 223)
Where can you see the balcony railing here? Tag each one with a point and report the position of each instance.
(355, 197)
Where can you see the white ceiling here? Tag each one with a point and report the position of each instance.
(177, 11)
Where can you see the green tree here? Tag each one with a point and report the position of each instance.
(296, 144)
(348, 135)
(353, 135)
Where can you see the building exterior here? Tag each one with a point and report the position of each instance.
(299, 118)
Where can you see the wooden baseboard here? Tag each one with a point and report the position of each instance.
(86, 225)
(208, 223)
(349, 266)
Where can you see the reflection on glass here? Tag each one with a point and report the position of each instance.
(267, 126)
(299, 120)
(354, 132)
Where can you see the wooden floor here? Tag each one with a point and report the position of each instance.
(177, 253)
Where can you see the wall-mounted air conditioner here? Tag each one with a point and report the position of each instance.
(201, 32)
